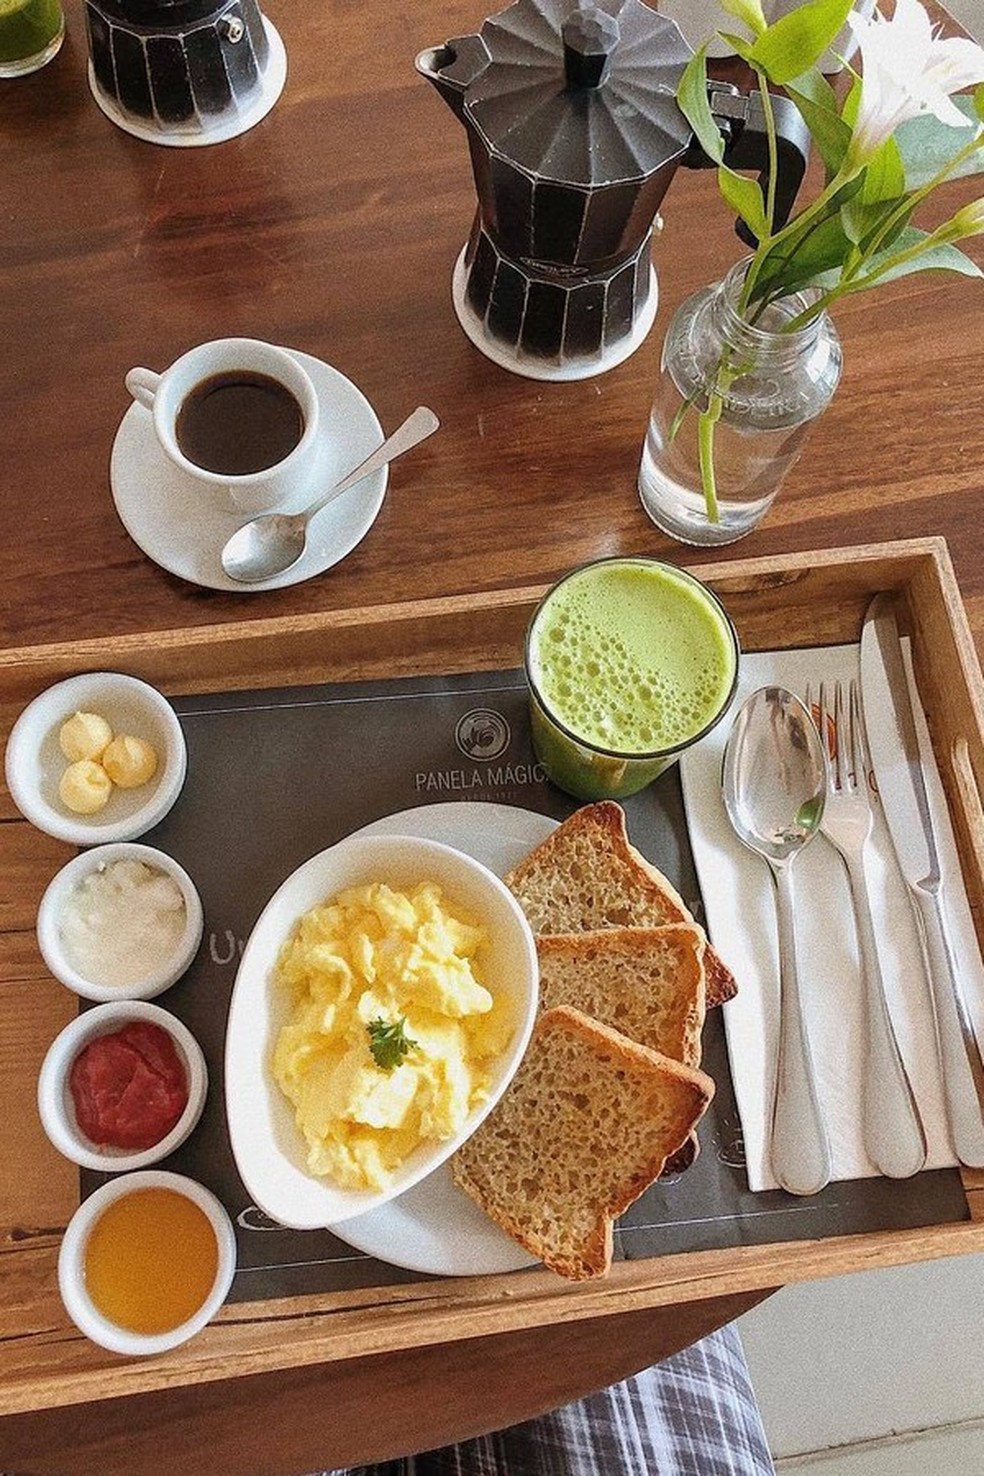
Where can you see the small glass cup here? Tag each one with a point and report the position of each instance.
(31, 33)
(629, 661)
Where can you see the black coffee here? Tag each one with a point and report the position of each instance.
(238, 422)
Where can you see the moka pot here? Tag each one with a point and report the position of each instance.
(575, 135)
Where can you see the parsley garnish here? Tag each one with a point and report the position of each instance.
(389, 1042)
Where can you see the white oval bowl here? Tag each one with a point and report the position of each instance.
(34, 762)
(71, 1265)
(57, 1108)
(70, 876)
(269, 1149)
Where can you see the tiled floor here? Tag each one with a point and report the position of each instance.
(884, 1366)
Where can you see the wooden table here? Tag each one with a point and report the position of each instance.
(332, 227)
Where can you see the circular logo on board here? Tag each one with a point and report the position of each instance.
(482, 733)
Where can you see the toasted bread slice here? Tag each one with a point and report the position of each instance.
(646, 982)
(584, 1127)
(586, 875)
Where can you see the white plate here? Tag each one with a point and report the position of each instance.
(172, 520)
(434, 1227)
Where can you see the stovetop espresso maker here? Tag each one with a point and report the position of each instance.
(575, 134)
(183, 72)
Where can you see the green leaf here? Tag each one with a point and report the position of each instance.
(797, 41)
(696, 108)
(745, 198)
(939, 258)
(820, 250)
(740, 45)
(884, 175)
(865, 222)
(749, 11)
(926, 145)
(389, 1042)
(827, 129)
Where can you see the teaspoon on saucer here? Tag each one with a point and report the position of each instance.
(775, 784)
(272, 542)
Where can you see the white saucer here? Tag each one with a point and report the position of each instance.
(170, 517)
(230, 125)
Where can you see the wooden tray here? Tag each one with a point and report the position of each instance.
(806, 599)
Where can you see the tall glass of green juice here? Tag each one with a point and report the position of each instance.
(31, 32)
(629, 661)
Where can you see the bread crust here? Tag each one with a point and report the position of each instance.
(625, 890)
(647, 983)
(535, 1125)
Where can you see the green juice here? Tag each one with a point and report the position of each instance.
(629, 661)
(30, 33)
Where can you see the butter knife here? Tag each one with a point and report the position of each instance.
(895, 756)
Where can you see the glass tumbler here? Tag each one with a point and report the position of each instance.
(31, 32)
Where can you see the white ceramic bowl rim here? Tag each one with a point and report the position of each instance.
(36, 727)
(71, 1279)
(70, 875)
(55, 1105)
(266, 1143)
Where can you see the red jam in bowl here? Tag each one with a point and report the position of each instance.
(129, 1087)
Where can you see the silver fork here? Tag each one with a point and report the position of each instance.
(893, 1132)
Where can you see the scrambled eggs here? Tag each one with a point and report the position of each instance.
(391, 1036)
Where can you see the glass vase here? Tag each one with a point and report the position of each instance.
(772, 384)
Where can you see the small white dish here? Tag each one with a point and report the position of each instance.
(268, 1147)
(51, 913)
(71, 1264)
(167, 517)
(34, 762)
(56, 1105)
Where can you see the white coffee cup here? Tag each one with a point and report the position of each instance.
(164, 394)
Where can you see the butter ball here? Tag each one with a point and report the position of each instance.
(85, 787)
(129, 761)
(84, 736)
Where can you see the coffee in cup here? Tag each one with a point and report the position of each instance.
(238, 415)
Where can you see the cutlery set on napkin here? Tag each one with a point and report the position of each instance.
(853, 1041)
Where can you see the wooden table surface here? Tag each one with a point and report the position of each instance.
(332, 227)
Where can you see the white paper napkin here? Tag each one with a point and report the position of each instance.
(739, 905)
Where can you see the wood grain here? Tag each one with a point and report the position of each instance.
(332, 227)
(290, 1423)
(281, 1349)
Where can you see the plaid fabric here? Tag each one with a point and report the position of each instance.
(695, 1414)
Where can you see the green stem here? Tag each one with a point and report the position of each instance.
(705, 446)
(724, 377)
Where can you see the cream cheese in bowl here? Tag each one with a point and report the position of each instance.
(123, 921)
(120, 921)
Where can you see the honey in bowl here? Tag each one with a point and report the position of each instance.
(150, 1260)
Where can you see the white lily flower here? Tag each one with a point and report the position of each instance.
(908, 70)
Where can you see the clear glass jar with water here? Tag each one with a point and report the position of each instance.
(774, 386)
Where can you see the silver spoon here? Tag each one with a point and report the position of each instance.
(271, 543)
(775, 783)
